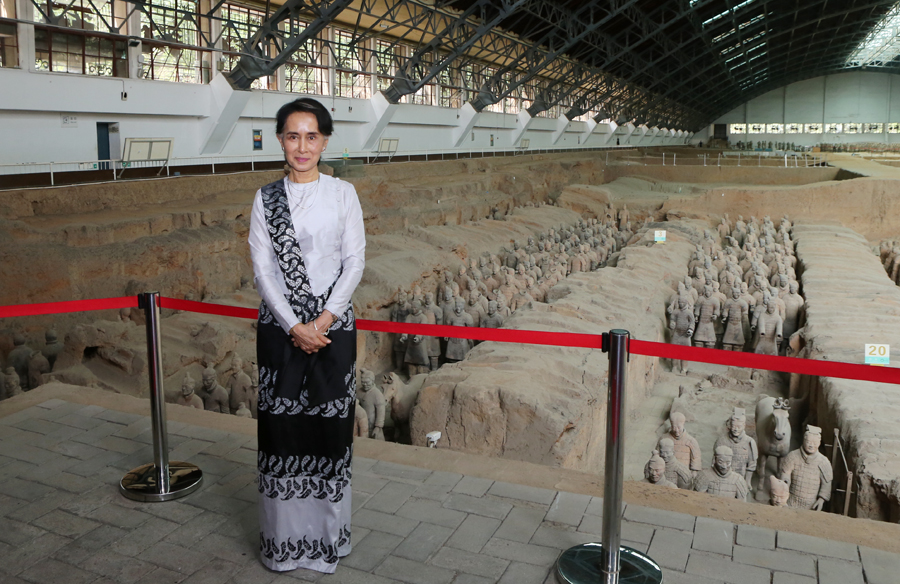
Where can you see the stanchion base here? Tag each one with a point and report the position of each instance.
(140, 484)
(582, 564)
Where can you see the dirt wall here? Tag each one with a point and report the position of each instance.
(694, 172)
(851, 302)
(867, 205)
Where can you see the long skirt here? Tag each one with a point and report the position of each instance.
(305, 431)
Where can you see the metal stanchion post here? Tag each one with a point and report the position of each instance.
(609, 562)
(160, 480)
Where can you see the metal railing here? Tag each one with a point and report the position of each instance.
(735, 159)
(117, 168)
(94, 170)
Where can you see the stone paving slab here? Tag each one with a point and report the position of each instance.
(64, 521)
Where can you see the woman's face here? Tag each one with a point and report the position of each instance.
(302, 142)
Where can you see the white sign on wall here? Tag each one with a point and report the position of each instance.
(659, 236)
(68, 120)
(877, 354)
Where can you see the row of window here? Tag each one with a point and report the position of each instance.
(176, 35)
(816, 128)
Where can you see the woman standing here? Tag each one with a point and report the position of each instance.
(307, 243)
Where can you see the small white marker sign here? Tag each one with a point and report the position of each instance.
(878, 354)
(659, 236)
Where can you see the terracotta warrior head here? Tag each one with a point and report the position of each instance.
(657, 467)
(737, 423)
(779, 492)
(667, 449)
(209, 378)
(812, 439)
(676, 419)
(187, 385)
(722, 459)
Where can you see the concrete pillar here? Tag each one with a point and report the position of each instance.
(25, 11)
(133, 29)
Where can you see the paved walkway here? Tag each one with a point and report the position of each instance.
(64, 521)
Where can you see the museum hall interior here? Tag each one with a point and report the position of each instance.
(449, 291)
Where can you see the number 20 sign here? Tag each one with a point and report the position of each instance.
(878, 354)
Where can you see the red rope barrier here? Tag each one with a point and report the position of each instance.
(68, 306)
(768, 362)
(207, 308)
(528, 337)
(577, 340)
(431, 330)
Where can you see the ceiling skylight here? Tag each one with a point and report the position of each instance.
(727, 12)
(881, 45)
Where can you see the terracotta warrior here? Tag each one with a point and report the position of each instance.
(435, 316)
(744, 450)
(473, 308)
(793, 303)
(682, 325)
(416, 355)
(52, 347)
(736, 311)
(657, 472)
(18, 358)
(447, 304)
(372, 401)
(493, 319)
(679, 294)
(399, 312)
(238, 385)
(188, 397)
(807, 472)
(38, 366)
(676, 471)
(720, 480)
(462, 279)
(768, 325)
(360, 423)
(458, 348)
(215, 397)
(706, 311)
(687, 449)
(623, 217)
(11, 383)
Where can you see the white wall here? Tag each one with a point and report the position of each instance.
(858, 96)
(31, 105)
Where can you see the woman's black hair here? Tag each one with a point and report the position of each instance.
(310, 106)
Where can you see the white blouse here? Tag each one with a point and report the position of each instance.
(328, 223)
